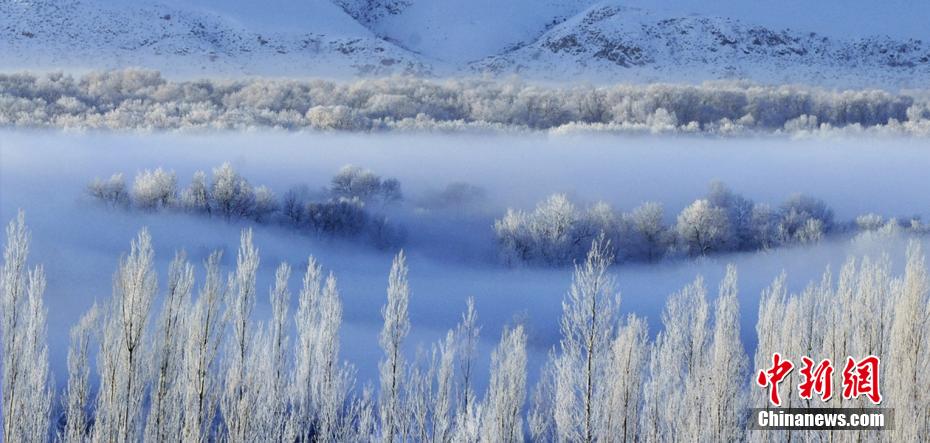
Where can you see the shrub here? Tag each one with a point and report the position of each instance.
(111, 190)
(352, 182)
(231, 195)
(155, 189)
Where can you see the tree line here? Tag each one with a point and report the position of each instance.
(351, 207)
(141, 99)
(558, 231)
(201, 367)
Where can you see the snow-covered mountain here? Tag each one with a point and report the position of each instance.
(196, 38)
(538, 39)
(634, 44)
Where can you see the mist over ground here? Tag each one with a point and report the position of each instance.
(451, 256)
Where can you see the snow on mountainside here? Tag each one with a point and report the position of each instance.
(186, 39)
(537, 39)
(461, 30)
(633, 44)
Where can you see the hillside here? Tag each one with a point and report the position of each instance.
(538, 40)
(193, 40)
(621, 43)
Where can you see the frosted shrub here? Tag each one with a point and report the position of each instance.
(738, 210)
(556, 232)
(764, 226)
(338, 117)
(649, 237)
(545, 235)
(196, 197)
(353, 182)
(870, 222)
(804, 219)
(154, 189)
(265, 204)
(111, 191)
(342, 217)
(702, 228)
(231, 195)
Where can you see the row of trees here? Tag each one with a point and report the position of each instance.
(203, 368)
(343, 209)
(557, 232)
(144, 100)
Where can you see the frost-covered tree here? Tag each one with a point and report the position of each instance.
(804, 219)
(164, 420)
(764, 225)
(466, 336)
(111, 191)
(650, 237)
(870, 222)
(196, 197)
(78, 391)
(294, 205)
(265, 204)
(555, 233)
(305, 378)
(320, 383)
(123, 357)
(418, 395)
(392, 366)
(726, 376)
(24, 363)
(153, 189)
(629, 358)
(587, 325)
(238, 395)
(910, 356)
(738, 210)
(267, 370)
(353, 182)
(334, 377)
(502, 418)
(390, 191)
(702, 228)
(231, 194)
(443, 398)
(200, 376)
(677, 367)
(552, 229)
(342, 217)
(280, 298)
(542, 403)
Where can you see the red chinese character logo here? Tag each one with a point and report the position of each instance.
(772, 377)
(861, 379)
(819, 380)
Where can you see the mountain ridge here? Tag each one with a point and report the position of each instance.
(583, 40)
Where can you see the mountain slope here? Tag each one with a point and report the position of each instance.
(538, 39)
(619, 43)
(190, 40)
(461, 30)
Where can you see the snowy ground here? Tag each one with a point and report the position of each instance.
(450, 257)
